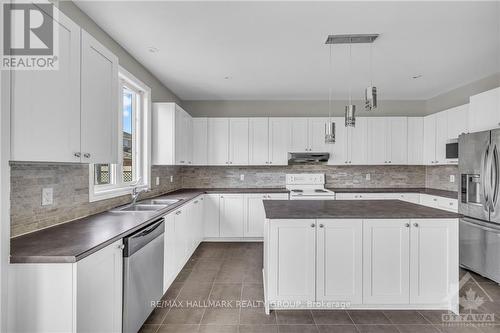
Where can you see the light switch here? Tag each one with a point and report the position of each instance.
(368, 176)
(157, 181)
(47, 196)
(452, 178)
(171, 179)
(242, 177)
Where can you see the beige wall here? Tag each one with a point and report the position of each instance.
(159, 92)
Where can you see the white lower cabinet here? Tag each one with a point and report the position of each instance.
(255, 214)
(339, 261)
(433, 261)
(391, 263)
(292, 247)
(85, 296)
(211, 216)
(387, 261)
(232, 215)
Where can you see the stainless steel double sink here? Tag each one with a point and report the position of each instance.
(149, 205)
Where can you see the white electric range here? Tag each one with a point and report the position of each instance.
(308, 186)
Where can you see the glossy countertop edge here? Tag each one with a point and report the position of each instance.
(352, 209)
(186, 194)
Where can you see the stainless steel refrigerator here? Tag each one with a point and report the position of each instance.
(479, 169)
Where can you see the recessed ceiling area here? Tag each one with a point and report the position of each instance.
(276, 50)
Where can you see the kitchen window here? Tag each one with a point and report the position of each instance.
(133, 169)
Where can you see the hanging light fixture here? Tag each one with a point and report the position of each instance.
(330, 125)
(350, 109)
(371, 91)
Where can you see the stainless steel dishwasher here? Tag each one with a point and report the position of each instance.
(142, 274)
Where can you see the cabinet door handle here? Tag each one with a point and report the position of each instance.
(78, 154)
(313, 225)
(121, 246)
(435, 199)
(86, 155)
(178, 212)
(195, 202)
(321, 225)
(407, 225)
(415, 225)
(270, 162)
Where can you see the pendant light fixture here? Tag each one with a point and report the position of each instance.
(371, 91)
(330, 125)
(350, 109)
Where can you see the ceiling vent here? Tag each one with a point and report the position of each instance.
(351, 39)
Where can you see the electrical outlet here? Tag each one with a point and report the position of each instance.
(171, 179)
(452, 178)
(368, 176)
(157, 181)
(47, 196)
(242, 177)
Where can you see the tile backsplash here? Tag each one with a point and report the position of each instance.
(70, 185)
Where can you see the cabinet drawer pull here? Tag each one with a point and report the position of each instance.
(435, 199)
(407, 225)
(313, 225)
(321, 225)
(78, 154)
(195, 202)
(451, 203)
(415, 225)
(121, 246)
(86, 155)
(178, 212)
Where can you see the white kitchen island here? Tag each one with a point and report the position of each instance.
(385, 254)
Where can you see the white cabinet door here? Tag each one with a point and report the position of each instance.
(441, 136)
(339, 261)
(258, 141)
(377, 131)
(232, 215)
(415, 140)
(188, 137)
(255, 215)
(99, 102)
(238, 141)
(316, 133)
(397, 140)
(484, 111)
(299, 134)
(279, 140)
(182, 234)
(211, 215)
(292, 248)
(99, 290)
(430, 139)
(169, 254)
(357, 142)
(457, 121)
(45, 105)
(180, 141)
(434, 261)
(339, 148)
(200, 137)
(386, 261)
(218, 141)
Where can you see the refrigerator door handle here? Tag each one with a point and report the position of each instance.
(493, 177)
(484, 178)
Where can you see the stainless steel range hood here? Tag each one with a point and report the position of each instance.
(308, 158)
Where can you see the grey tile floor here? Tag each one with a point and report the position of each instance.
(219, 290)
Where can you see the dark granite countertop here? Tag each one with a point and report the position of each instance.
(75, 240)
(431, 191)
(351, 209)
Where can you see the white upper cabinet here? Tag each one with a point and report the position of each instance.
(441, 136)
(457, 121)
(387, 140)
(430, 139)
(238, 141)
(172, 141)
(258, 150)
(339, 148)
(356, 143)
(218, 141)
(484, 111)
(415, 140)
(299, 138)
(316, 134)
(99, 102)
(279, 140)
(200, 137)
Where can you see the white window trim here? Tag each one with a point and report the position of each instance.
(101, 192)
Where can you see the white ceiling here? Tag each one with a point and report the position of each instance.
(275, 50)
